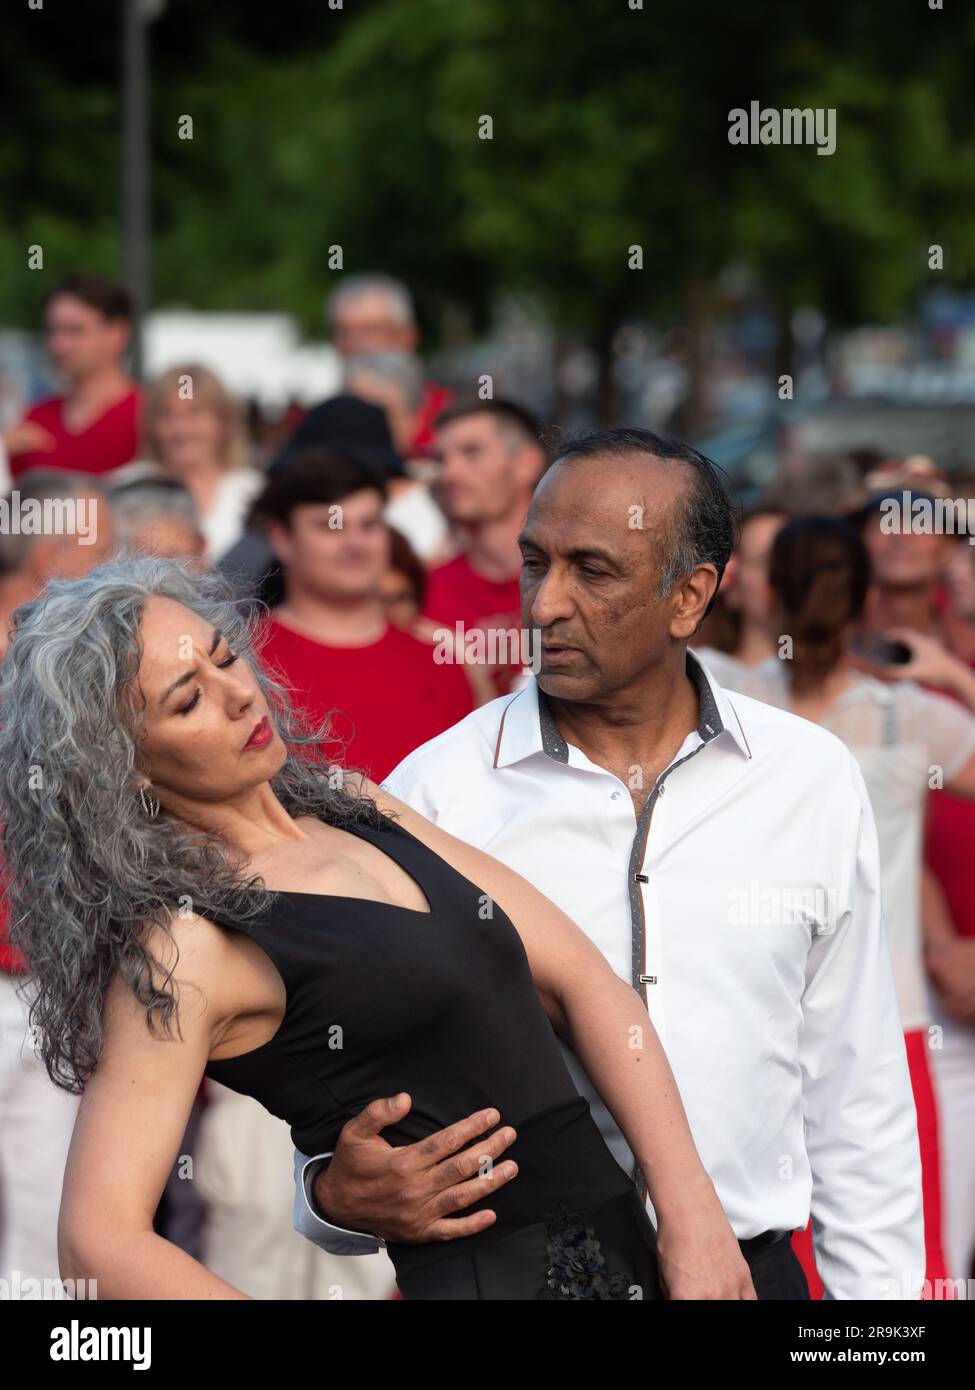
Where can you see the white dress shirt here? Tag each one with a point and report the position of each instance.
(744, 906)
(899, 735)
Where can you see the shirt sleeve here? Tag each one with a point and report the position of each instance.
(335, 1239)
(406, 784)
(860, 1118)
(947, 729)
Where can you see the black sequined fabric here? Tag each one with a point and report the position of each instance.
(576, 1264)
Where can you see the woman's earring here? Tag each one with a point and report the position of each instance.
(150, 804)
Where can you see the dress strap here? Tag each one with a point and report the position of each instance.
(411, 854)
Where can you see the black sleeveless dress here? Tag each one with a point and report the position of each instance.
(383, 999)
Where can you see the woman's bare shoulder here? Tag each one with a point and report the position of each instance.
(196, 955)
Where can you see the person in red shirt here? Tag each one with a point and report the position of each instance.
(490, 458)
(94, 426)
(382, 690)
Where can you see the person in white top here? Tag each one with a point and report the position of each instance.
(906, 741)
(655, 808)
(195, 429)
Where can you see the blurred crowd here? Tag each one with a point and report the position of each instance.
(381, 541)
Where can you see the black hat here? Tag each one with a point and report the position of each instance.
(351, 426)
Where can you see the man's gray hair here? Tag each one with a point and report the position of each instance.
(143, 504)
(356, 286)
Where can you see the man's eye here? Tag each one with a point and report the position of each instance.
(229, 661)
(590, 573)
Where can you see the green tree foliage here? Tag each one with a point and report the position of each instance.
(359, 128)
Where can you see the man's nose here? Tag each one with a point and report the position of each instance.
(551, 599)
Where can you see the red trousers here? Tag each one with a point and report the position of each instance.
(927, 1131)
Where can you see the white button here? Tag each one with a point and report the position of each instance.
(615, 796)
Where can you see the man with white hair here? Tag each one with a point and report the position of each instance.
(374, 314)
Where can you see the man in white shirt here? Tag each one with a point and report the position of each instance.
(723, 856)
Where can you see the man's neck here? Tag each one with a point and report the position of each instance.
(902, 607)
(491, 547)
(100, 389)
(338, 622)
(636, 732)
(755, 645)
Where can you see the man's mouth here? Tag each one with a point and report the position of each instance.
(555, 653)
(262, 735)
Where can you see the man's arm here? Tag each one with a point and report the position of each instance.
(861, 1123)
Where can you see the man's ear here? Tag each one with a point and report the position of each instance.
(279, 539)
(691, 598)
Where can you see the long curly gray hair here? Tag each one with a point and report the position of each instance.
(85, 869)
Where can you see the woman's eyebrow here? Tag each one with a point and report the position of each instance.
(188, 676)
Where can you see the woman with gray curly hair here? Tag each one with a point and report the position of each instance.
(196, 896)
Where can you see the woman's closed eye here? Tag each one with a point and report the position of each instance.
(191, 704)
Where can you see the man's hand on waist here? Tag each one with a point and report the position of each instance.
(411, 1194)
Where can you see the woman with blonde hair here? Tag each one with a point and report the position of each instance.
(195, 429)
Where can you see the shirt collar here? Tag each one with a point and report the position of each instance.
(528, 725)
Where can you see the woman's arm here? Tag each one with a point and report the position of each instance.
(130, 1125)
(605, 1022)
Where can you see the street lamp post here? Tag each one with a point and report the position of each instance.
(137, 15)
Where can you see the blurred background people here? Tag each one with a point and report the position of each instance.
(820, 576)
(155, 513)
(194, 429)
(36, 1117)
(490, 457)
(356, 429)
(331, 638)
(394, 382)
(375, 313)
(912, 595)
(93, 427)
(404, 590)
(740, 624)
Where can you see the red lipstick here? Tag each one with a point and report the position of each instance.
(262, 735)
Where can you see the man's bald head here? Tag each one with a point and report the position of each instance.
(699, 526)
